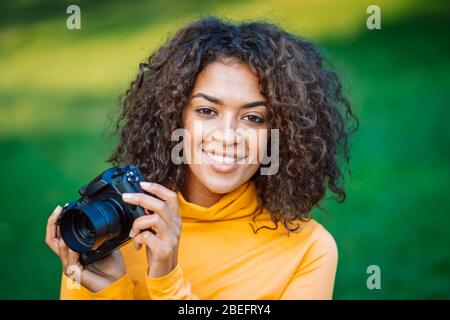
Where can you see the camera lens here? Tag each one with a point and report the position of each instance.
(84, 229)
(87, 227)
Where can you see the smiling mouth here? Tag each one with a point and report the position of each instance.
(224, 159)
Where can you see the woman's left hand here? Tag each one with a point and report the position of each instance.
(162, 246)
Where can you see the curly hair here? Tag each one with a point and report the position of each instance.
(305, 101)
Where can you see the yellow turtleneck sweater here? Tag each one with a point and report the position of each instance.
(220, 257)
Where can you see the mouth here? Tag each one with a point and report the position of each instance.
(223, 159)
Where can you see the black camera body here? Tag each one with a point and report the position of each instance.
(100, 221)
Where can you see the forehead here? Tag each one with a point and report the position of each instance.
(228, 80)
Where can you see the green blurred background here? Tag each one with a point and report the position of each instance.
(59, 88)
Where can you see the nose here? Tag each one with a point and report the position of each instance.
(227, 133)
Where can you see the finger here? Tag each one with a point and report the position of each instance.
(63, 253)
(51, 221)
(53, 244)
(150, 240)
(137, 245)
(73, 258)
(51, 235)
(165, 194)
(155, 222)
(158, 190)
(148, 202)
(58, 232)
(73, 266)
(144, 200)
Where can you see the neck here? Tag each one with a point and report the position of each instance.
(195, 192)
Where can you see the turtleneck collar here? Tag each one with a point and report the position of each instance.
(239, 203)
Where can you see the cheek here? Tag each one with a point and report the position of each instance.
(195, 131)
(257, 145)
(200, 130)
(262, 147)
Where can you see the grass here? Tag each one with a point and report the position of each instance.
(58, 88)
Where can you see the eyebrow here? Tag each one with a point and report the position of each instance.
(218, 101)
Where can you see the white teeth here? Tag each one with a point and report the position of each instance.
(228, 159)
(221, 159)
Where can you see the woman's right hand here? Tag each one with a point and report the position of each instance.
(95, 276)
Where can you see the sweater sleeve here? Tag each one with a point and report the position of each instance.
(314, 277)
(172, 286)
(121, 289)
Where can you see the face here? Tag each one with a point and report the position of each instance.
(226, 118)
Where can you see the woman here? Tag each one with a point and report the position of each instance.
(223, 228)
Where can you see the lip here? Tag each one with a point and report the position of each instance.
(220, 167)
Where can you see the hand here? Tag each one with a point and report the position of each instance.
(162, 245)
(95, 276)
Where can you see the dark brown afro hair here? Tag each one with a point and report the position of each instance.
(304, 98)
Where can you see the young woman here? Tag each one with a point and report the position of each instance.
(223, 229)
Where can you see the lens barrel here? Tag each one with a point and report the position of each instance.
(87, 227)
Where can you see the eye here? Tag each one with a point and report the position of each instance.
(205, 111)
(255, 119)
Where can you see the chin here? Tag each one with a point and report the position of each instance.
(221, 185)
(225, 183)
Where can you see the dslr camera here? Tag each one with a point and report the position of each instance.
(100, 221)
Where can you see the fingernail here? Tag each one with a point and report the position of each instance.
(126, 196)
(145, 184)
